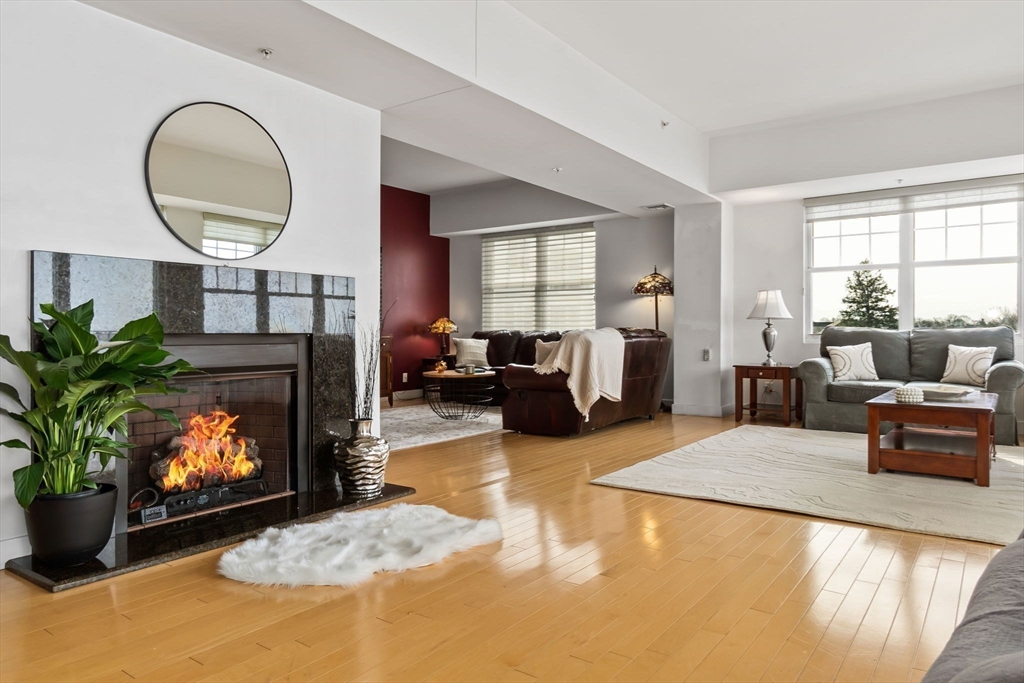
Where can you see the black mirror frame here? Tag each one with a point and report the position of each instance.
(156, 206)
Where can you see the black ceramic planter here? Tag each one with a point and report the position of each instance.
(71, 529)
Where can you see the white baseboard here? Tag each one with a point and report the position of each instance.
(11, 548)
(701, 410)
(408, 394)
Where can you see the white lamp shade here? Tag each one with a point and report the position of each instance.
(769, 304)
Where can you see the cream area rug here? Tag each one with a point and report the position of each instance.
(351, 547)
(825, 474)
(419, 425)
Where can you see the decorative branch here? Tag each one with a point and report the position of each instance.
(366, 381)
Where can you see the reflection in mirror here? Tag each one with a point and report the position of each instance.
(218, 180)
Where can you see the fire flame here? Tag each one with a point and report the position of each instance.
(208, 453)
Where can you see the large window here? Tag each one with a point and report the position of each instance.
(927, 256)
(539, 280)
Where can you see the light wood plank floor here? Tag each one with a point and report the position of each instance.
(590, 584)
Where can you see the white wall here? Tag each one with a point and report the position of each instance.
(703, 239)
(983, 125)
(627, 249)
(82, 91)
(769, 254)
(506, 205)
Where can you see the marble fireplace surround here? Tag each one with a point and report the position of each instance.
(203, 299)
(193, 299)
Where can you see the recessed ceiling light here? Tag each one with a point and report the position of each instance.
(658, 207)
(266, 52)
(557, 169)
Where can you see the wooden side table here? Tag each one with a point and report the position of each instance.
(783, 373)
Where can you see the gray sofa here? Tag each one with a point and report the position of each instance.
(988, 645)
(913, 357)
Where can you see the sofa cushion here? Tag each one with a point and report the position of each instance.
(968, 364)
(992, 627)
(471, 352)
(859, 391)
(501, 346)
(850, 363)
(929, 349)
(526, 352)
(890, 348)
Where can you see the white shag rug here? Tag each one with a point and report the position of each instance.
(350, 547)
(825, 474)
(419, 425)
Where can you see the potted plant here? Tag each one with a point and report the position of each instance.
(81, 392)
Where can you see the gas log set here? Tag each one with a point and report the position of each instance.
(208, 454)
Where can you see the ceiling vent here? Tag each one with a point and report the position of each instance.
(658, 207)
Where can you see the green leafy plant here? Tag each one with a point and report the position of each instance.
(82, 393)
(867, 301)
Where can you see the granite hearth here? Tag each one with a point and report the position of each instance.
(150, 546)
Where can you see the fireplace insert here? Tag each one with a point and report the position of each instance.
(244, 429)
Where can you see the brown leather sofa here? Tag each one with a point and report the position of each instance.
(505, 347)
(542, 404)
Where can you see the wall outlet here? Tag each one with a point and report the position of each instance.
(707, 354)
(405, 377)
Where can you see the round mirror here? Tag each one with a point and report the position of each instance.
(218, 180)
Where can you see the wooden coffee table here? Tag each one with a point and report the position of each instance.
(914, 447)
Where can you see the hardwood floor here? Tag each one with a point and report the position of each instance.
(590, 584)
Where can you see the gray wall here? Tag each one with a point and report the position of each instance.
(627, 249)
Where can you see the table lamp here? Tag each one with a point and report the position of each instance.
(654, 285)
(443, 327)
(769, 305)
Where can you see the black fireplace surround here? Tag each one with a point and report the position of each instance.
(277, 347)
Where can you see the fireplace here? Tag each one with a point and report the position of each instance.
(240, 441)
(277, 354)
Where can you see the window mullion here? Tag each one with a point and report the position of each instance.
(905, 279)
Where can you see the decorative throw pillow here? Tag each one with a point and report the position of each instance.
(471, 352)
(968, 364)
(852, 362)
(544, 350)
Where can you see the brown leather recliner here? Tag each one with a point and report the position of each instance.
(505, 347)
(542, 404)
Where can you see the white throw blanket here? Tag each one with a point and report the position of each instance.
(593, 360)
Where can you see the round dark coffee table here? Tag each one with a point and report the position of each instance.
(456, 395)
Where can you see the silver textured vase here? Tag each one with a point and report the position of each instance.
(360, 460)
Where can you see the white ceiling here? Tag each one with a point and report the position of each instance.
(420, 170)
(725, 65)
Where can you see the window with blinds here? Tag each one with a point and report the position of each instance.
(234, 237)
(944, 255)
(539, 280)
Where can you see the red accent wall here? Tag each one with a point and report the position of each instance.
(414, 270)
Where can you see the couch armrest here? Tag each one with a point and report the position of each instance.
(816, 374)
(526, 378)
(1007, 375)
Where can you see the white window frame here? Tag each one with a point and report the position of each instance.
(905, 271)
